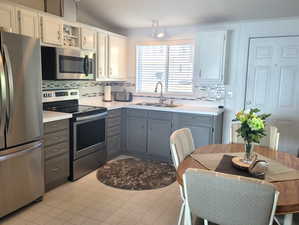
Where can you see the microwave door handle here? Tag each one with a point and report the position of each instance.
(10, 87)
(3, 95)
(86, 65)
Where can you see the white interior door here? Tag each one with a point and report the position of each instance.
(272, 85)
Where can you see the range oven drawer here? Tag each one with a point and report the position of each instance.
(88, 163)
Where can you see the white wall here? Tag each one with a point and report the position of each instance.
(87, 18)
(238, 52)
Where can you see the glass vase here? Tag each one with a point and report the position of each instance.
(249, 155)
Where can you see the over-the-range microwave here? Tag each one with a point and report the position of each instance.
(68, 64)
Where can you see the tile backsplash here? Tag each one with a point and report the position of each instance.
(95, 88)
(86, 88)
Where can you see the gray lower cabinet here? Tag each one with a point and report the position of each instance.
(205, 129)
(113, 132)
(57, 153)
(147, 132)
(136, 134)
(159, 132)
(201, 135)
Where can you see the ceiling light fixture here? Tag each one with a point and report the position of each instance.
(157, 31)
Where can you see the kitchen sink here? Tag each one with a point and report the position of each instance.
(157, 104)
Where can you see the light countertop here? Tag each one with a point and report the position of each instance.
(185, 106)
(49, 116)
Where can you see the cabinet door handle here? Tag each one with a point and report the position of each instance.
(55, 170)
(59, 35)
(20, 22)
(199, 74)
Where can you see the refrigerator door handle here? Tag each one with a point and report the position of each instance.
(10, 87)
(3, 96)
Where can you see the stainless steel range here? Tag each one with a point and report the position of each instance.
(87, 130)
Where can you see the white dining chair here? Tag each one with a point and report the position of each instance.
(228, 200)
(181, 145)
(271, 140)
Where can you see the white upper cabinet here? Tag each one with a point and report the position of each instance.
(210, 57)
(88, 39)
(27, 23)
(7, 18)
(51, 30)
(117, 57)
(111, 49)
(102, 50)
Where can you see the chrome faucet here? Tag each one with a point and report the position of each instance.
(162, 98)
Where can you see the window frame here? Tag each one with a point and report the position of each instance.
(165, 91)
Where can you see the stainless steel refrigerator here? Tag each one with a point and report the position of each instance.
(21, 156)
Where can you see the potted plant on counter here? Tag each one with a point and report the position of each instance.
(252, 130)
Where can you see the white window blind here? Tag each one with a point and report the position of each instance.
(170, 63)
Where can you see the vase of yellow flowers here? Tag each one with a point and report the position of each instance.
(252, 130)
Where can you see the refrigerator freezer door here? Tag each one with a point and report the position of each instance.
(22, 55)
(2, 102)
(21, 177)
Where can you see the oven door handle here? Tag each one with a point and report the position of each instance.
(92, 117)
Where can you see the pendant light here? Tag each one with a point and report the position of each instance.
(157, 31)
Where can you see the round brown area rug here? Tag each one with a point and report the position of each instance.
(137, 174)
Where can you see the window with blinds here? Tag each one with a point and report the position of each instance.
(170, 63)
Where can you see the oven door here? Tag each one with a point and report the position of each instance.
(75, 64)
(89, 135)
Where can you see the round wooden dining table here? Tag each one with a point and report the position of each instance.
(288, 202)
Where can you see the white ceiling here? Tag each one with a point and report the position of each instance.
(139, 13)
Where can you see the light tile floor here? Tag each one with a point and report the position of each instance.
(89, 202)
